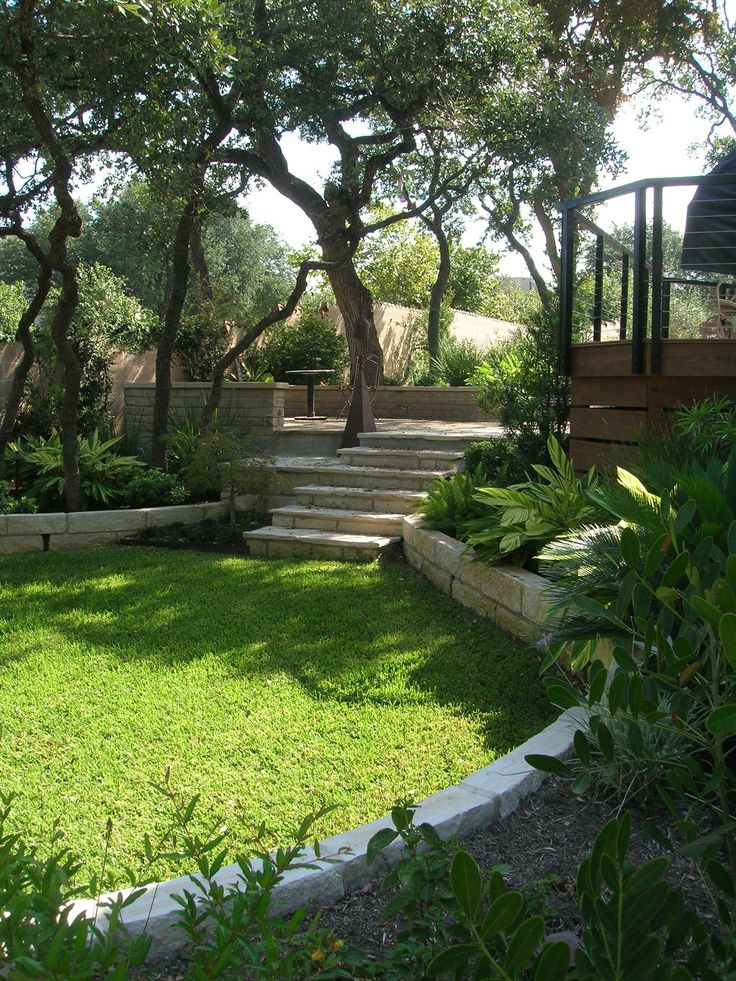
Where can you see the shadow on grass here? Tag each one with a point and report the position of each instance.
(344, 633)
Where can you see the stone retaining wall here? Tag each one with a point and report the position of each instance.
(81, 529)
(395, 402)
(512, 598)
(249, 406)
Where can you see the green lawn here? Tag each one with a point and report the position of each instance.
(270, 687)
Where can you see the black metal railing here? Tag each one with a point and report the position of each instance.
(640, 278)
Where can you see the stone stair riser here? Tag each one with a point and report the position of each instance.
(342, 498)
(325, 476)
(447, 444)
(399, 459)
(349, 525)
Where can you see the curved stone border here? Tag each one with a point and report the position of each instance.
(82, 529)
(479, 801)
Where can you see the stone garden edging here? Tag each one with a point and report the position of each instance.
(480, 800)
(514, 599)
(82, 529)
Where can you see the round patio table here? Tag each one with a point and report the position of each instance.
(310, 374)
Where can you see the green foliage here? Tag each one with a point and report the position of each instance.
(10, 504)
(520, 384)
(12, 304)
(38, 941)
(520, 519)
(451, 503)
(104, 474)
(706, 429)
(498, 460)
(229, 462)
(152, 487)
(310, 342)
(456, 361)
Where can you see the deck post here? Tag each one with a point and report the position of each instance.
(624, 315)
(598, 295)
(567, 274)
(640, 284)
(657, 286)
(666, 304)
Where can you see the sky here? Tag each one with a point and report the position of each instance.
(663, 147)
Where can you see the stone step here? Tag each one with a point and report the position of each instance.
(281, 543)
(336, 519)
(322, 470)
(444, 442)
(407, 459)
(358, 499)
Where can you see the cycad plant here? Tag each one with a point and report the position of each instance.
(450, 503)
(518, 520)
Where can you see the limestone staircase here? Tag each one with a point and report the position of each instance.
(351, 507)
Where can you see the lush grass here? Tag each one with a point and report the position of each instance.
(268, 687)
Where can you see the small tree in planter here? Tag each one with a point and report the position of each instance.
(231, 463)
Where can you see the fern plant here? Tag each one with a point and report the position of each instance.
(450, 504)
(518, 520)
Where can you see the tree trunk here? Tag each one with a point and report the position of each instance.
(249, 336)
(167, 340)
(199, 261)
(25, 336)
(439, 287)
(67, 304)
(355, 302)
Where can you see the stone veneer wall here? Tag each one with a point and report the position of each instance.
(512, 598)
(252, 406)
(81, 529)
(395, 402)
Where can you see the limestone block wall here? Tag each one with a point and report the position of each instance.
(82, 529)
(512, 598)
(248, 406)
(395, 402)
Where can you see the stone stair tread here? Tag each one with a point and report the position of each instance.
(369, 451)
(367, 492)
(307, 463)
(307, 535)
(304, 510)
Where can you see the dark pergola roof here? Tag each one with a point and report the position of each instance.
(709, 244)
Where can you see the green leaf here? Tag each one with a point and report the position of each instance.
(466, 883)
(450, 960)
(502, 914)
(727, 632)
(721, 878)
(548, 764)
(582, 746)
(605, 741)
(707, 611)
(722, 721)
(630, 551)
(553, 964)
(379, 841)
(581, 783)
(528, 936)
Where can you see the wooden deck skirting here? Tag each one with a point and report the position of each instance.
(611, 406)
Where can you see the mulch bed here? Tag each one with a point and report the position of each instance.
(227, 548)
(545, 839)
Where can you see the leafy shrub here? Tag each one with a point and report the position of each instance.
(518, 520)
(181, 440)
(520, 384)
(456, 361)
(309, 342)
(12, 304)
(668, 705)
(496, 460)
(15, 505)
(104, 474)
(232, 463)
(450, 503)
(153, 488)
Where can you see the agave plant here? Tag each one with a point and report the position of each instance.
(520, 519)
(104, 474)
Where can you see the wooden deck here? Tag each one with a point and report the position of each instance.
(611, 407)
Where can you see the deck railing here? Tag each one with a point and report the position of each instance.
(639, 278)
